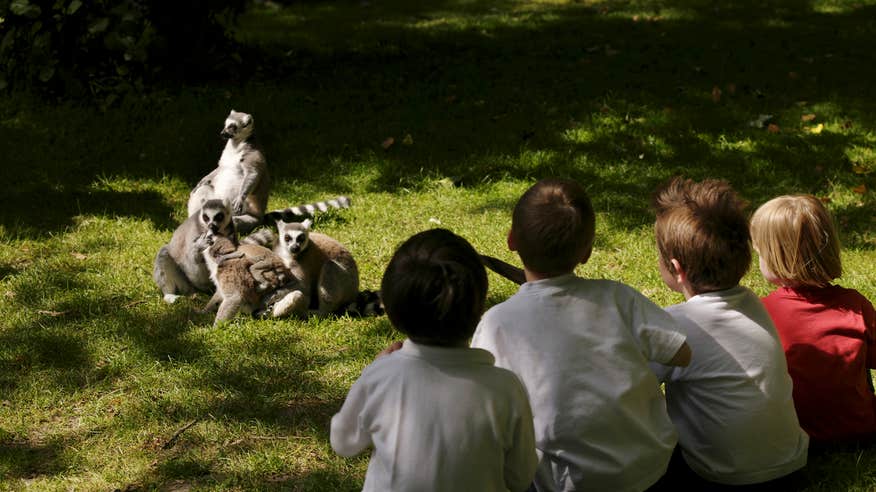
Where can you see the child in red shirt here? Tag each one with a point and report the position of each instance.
(828, 332)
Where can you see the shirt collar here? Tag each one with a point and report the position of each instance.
(449, 355)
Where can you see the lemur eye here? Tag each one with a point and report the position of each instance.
(287, 238)
(205, 218)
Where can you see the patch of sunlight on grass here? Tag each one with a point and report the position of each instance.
(742, 145)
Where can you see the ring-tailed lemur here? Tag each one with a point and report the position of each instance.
(507, 270)
(308, 210)
(179, 267)
(244, 274)
(326, 271)
(241, 177)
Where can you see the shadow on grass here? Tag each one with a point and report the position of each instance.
(490, 92)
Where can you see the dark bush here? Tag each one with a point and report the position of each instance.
(85, 47)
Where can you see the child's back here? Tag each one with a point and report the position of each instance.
(828, 332)
(581, 348)
(438, 419)
(732, 405)
(439, 415)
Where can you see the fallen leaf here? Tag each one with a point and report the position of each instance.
(635, 18)
(716, 94)
(773, 128)
(858, 169)
(815, 130)
(807, 117)
(860, 189)
(9, 294)
(408, 140)
(793, 75)
(386, 144)
(433, 220)
(78, 256)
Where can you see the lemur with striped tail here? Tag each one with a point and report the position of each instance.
(327, 274)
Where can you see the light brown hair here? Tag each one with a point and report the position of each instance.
(797, 240)
(703, 226)
(553, 226)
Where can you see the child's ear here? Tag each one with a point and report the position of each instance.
(512, 244)
(677, 270)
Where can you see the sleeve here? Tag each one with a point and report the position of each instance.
(655, 330)
(349, 435)
(521, 460)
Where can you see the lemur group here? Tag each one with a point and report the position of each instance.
(292, 272)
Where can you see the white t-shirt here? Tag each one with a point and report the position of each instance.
(582, 348)
(439, 419)
(732, 405)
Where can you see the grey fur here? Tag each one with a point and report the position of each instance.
(326, 271)
(241, 177)
(179, 267)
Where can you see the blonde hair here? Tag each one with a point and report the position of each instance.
(797, 240)
(703, 226)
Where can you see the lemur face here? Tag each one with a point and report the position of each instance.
(238, 126)
(294, 237)
(215, 218)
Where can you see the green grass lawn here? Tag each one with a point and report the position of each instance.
(104, 387)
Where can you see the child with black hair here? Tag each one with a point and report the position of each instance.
(439, 415)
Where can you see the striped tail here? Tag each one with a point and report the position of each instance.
(367, 303)
(301, 212)
(506, 270)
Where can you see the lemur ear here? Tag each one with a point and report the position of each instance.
(307, 223)
(247, 120)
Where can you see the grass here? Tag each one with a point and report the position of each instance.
(103, 386)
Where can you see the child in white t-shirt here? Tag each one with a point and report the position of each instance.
(732, 405)
(581, 347)
(438, 414)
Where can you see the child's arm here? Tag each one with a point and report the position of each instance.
(347, 436)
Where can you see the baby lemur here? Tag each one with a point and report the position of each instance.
(241, 178)
(244, 274)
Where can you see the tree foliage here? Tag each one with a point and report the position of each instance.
(98, 46)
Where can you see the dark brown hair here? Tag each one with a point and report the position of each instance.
(553, 226)
(703, 226)
(434, 288)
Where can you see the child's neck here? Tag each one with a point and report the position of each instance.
(532, 276)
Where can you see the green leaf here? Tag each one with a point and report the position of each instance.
(99, 26)
(46, 73)
(24, 8)
(74, 6)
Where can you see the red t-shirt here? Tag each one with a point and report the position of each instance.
(829, 337)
